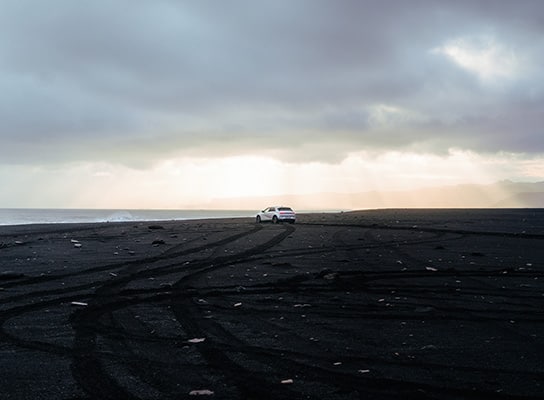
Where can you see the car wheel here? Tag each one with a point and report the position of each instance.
(258, 219)
(275, 220)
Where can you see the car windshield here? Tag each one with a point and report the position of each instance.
(284, 209)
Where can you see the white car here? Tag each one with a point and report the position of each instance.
(276, 214)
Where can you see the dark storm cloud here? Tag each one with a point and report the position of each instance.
(133, 81)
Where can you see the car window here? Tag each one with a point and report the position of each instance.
(285, 209)
(272, 209)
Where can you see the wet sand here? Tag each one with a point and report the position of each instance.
(386, 304)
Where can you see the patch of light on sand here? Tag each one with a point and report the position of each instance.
(483, 56)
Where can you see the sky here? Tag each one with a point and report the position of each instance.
(170, 104)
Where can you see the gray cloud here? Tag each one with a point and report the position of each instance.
(133, 81)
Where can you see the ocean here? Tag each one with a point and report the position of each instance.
(21, 216)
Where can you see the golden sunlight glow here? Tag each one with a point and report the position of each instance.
(204, 182)
(193, 182)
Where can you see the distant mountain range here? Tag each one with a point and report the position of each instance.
(503, 194)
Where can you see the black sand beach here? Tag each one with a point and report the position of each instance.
(386, 304)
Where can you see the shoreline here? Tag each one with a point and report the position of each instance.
(241, 214)
(25, 216)
(388, 304)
